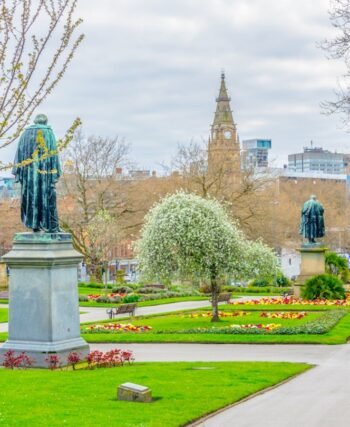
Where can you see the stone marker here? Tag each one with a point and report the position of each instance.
(134, 393)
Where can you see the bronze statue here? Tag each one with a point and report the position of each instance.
(312, 221)
(37, 168)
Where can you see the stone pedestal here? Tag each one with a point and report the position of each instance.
(312, 264)
(44, 306)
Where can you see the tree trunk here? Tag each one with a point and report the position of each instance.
(214, 299)
(95, 272)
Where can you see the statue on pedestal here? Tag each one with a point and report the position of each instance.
(312, 221)
(37, 168)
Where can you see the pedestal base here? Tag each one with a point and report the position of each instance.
(312, 264)
(43, 305)
(39, 352)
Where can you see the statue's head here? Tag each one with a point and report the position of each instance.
(41, 119)
(313, 197)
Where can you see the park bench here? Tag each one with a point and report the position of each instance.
(122, 309)
(225, 297)
(287, 293)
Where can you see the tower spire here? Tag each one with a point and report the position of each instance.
(223, 114)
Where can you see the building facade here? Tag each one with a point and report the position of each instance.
(224, 147)
(316, 159)
(255, 153)
(8, 187)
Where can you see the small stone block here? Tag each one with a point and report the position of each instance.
(134, 393)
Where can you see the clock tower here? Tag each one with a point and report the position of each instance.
(224, 147)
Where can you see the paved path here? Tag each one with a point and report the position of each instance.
(314, 354)
(94, 314)
(318, 398)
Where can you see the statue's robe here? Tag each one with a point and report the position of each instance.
(38, 179)
(312, 220)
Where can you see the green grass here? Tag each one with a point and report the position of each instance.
(3, 315)
(146, 303)
(181, 393)
(337, 335)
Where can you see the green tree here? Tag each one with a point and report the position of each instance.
(187, 235)
(337, 265)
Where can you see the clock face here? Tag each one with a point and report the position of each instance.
(227, 134)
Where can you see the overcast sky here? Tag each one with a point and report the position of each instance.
(149, 71)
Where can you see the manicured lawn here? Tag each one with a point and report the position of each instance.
(3, 315)
(87, 398)
(146, 303)
(177, 322)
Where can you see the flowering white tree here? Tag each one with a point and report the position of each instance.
(187, 234)
(259, 261)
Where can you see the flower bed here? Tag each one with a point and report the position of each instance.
(284, 315)
(95, 359)
(94, 297)
(294, 301)
(115, 328)
(221, 314)
(269, 327)
(320, 326)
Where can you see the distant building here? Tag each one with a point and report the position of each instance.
(316, 159)
(8, 188)
(256, 153)
(139, 174)
(290, 262)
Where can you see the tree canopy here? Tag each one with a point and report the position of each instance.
(187, 235)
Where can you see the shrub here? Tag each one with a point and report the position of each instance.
(131, 298)
(260, 283)
(53, 361)
(73, 359)
(116, 357)
(282, 280)
(323, 286)
(117, 299)
(122, 290)
(83, 298)
(11, 360)
(119, 278)
(204, 288)
(103, 298)
(94, 285)
(146, 290)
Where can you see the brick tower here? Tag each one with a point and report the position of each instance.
(224, 146)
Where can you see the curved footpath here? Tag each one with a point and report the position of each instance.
(317, 398)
